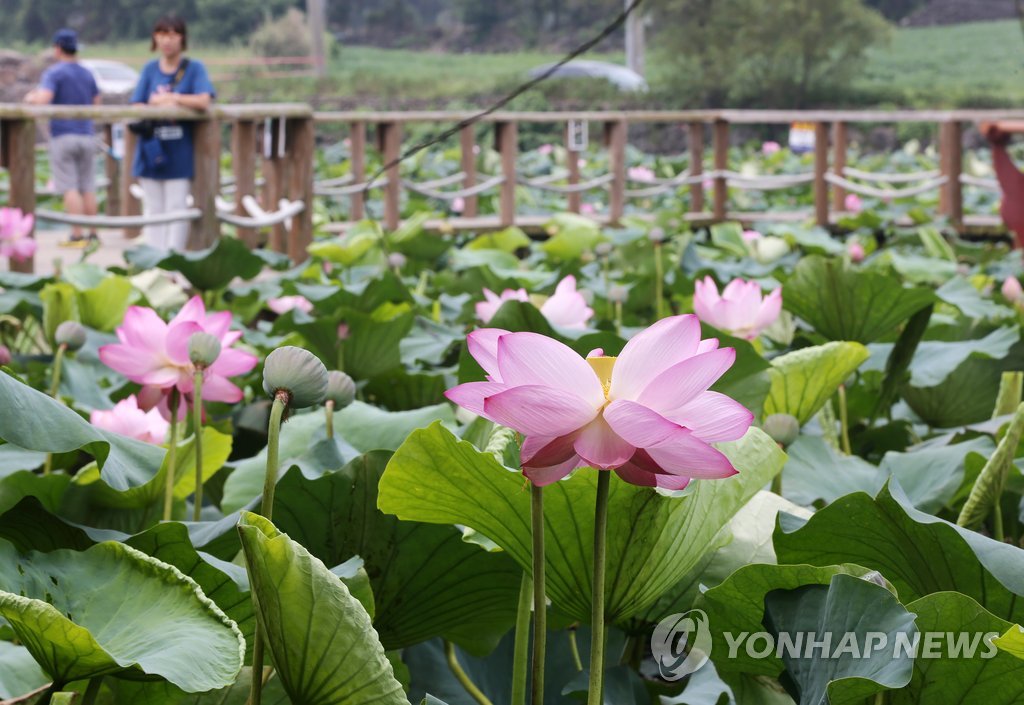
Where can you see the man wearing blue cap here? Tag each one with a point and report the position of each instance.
(72, 142)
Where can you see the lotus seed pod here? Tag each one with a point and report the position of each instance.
(5, 355)
(783, 428)
(297, 372)
(657, 235)
(396, 260)
(70, 334)
(203, 349)
(603, 249)
(618, 294)
(340, 389)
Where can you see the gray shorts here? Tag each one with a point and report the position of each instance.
(73, 160)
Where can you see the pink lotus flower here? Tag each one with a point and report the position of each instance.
(16, 241)
(587, 208)
(752, 235)
(769, 148)
(458, 204)
(486, 309)
(546, 149)
(343, 331)
(127, 419)
(853, 203)
(155, 354)
(640, 173)
(567, 308)
(284, 304)
(740, 310)
(1012, 290)
(647, 414)
(856, 252)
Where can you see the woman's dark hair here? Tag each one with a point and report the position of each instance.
(170, 23)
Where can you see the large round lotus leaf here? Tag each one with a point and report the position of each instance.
(111, 609)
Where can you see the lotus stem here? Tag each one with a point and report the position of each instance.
(461, 676)
(266, 509)
(521, 652)
(574, 649)
(844, 423)
(172, 453)
(606, 266)
(92, 690)
(540, 603)
(594, 696)
(197, 431)
(58, 361)
(329, 417)
(618, 318)
(659, 275)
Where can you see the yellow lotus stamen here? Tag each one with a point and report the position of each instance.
(602, 367)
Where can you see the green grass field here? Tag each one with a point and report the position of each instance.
(979, 65)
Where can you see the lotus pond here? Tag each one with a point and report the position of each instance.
(607, 466)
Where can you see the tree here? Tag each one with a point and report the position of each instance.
(751, 52)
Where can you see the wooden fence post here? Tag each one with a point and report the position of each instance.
(467, 148)
(111, 168)
(506, 136)
(951, 201)
(572, 164)
(18, 155)
(389, 135)
(206, 183)
(357, 144)
(615, 139)
(130, 205)
(839, 146)
(696, 145)
(243, 163)
(275, 173)
(302, 137)
(820, 169)
(721, 147)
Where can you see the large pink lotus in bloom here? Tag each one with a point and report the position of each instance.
(155, 354)
(740, 309)
(16, 241)
(647, 414)
(127, 419)
(566, 308)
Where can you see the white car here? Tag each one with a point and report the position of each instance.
(112, 77)
(621, 77)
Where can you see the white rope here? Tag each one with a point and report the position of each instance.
(863, 190)
(452, 195)
(987, 184)
(567, 188)
(286, 211)
(683, 178)
(889, 178)
(351, 189)
(224, 205)
(229, 187)
(450, 180)
(120, 221)
(766, 182)
(336, 181)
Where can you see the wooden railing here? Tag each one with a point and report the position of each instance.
(257, 131)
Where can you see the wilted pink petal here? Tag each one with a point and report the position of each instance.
(284, 304)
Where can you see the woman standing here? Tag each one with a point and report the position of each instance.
(163, 159)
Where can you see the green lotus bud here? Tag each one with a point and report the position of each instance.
(297, 372)
(340, 389)
(70, 334)
(783, 428)
(203, 349)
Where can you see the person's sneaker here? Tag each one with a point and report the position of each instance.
(75, 242)
(93, 237)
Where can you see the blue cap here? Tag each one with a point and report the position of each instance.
(66, 39)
